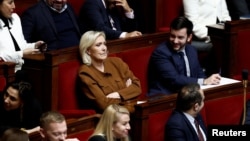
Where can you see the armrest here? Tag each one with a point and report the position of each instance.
(77, 113)
(7, 72)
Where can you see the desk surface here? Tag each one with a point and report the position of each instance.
(224, 81)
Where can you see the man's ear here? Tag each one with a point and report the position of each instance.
(189, 39)
(42, 132)
(196, 107)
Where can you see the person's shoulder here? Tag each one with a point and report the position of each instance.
(15, 16)
(97, 138)
(35, 7)
(114, 59)
(162, 48)
(84, 68)
(176, 118)
(190, 47)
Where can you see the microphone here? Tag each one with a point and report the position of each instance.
(244, 77)
(244, 82)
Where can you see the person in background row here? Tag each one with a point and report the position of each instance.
(174, 63)
(185, 123)
(52, 21)
(113, 125)
(105, 80)
(238, 8)
(15, 134)
(13, 45)
(19, 108)
(54, 127)
(114, 17)
(202, 13)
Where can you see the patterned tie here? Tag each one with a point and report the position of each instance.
(200, 136)
(182, 63)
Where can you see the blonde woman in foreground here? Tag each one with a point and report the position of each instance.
(113, 125)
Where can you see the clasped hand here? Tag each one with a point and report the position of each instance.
(116, 94)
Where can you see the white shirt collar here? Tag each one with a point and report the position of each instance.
(63, 9)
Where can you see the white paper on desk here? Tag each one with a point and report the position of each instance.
(223, 81)
(139, 102)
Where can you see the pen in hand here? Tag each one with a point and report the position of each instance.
(219, 71)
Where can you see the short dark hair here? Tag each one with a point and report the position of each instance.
(14, 134)
(182, 22)
(188, 96)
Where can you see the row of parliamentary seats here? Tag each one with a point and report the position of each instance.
(57, 91)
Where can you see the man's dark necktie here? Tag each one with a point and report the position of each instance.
(182, 63)
(200, 136)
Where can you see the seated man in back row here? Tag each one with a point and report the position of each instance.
(175, 63)
(114, 17)
(52, 21)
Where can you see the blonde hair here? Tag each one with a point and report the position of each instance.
(109, 117)
(87, 40)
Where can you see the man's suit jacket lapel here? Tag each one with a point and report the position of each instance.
(104, 12)
(191, 129)
(45, 13)
(73, 17)
(191, 60)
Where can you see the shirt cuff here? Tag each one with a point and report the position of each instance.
(123, 35)
(200, 81)
(130, 15)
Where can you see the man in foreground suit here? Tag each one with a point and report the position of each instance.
(52, 21)
(168, 70)
(185, 122)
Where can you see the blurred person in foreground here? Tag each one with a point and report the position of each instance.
(54, 127)
(185, 123)
(15, 134)
(113, 125)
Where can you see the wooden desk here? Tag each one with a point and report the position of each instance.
(227, 40)
(165, 105)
